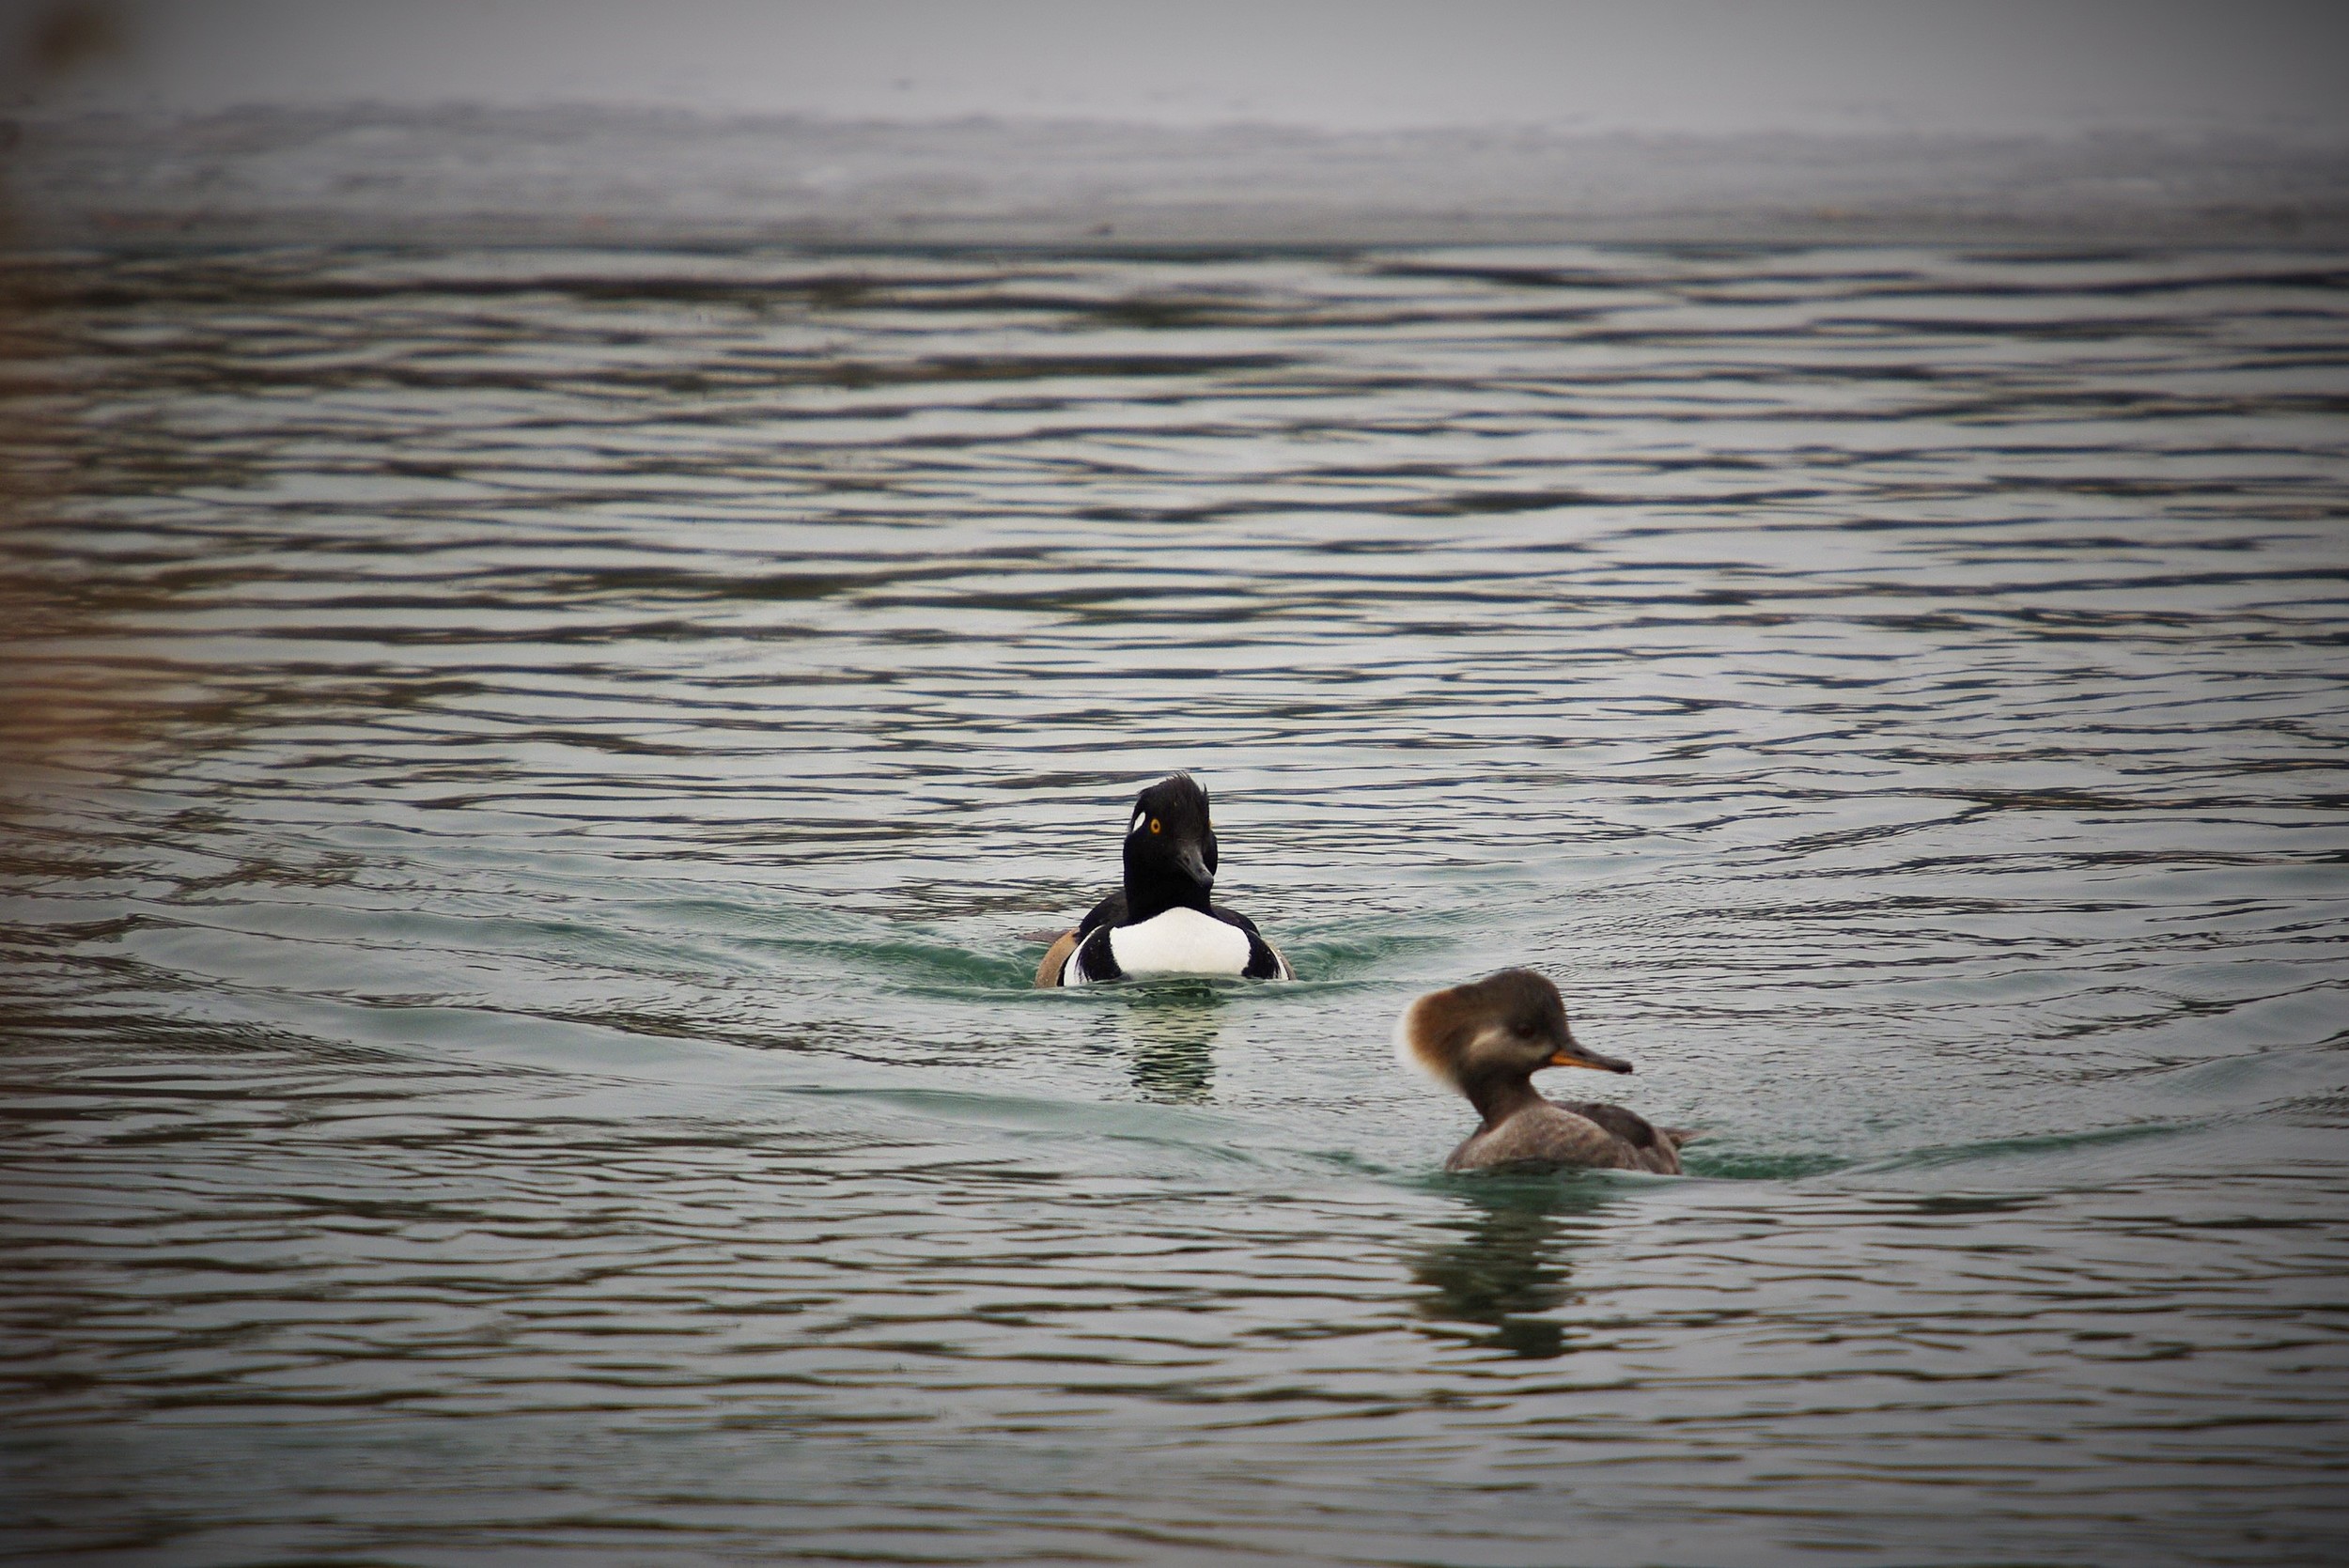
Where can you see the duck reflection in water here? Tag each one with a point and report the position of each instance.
(1508, 1263)
(1170, 1027)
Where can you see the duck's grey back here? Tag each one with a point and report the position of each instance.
(1596, 1137)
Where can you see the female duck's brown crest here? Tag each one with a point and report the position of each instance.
(1506, 1025)
(1486, 1040)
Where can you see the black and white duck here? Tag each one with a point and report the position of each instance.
(1162, 922)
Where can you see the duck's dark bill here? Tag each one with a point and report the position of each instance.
(1578, 1057)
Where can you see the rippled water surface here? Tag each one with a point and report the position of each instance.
(533, 781)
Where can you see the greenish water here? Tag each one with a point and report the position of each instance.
(532, 778)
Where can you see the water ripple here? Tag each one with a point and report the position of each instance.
(532, 779)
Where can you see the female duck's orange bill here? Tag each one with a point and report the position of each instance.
(1574, 1054)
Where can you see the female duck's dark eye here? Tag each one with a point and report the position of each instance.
(1153, 824)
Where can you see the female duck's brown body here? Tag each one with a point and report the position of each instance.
(1486, 1039)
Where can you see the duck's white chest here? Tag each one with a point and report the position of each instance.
(1180, 941)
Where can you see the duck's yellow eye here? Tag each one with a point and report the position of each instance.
(1153, 824)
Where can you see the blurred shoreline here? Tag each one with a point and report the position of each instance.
(598, 176)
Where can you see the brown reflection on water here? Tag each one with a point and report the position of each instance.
(49, 710)
(74, 697)
(82, 677)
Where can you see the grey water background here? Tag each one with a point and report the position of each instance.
(533, 771)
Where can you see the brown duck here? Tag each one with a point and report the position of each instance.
(1488, 1039)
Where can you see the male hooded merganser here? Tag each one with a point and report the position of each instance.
(1486, 1039)
(1162, 923)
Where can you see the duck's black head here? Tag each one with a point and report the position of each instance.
(1169, 849)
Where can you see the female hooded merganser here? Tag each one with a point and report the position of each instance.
(1162, 923)
(1486, 1039)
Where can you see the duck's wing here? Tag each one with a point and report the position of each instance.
(1109, 911)
(1552, 1135)
(1544, 1137)
(1651, 1148)
(1265, 961)
(1048, 973)
(1629, 1126)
